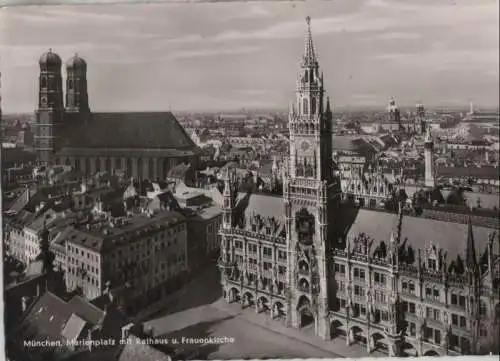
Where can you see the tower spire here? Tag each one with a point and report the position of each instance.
(309, 54)
(471, 260)
(328, 106)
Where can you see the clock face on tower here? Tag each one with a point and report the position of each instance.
(305, 145)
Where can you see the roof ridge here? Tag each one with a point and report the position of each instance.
(86, 302)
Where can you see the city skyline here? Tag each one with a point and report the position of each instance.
(242, 55)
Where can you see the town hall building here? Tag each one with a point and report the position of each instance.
(397, 282)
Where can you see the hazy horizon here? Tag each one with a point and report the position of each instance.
(217, 57)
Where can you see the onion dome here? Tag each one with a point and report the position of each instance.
(50, 60)
(76, 63)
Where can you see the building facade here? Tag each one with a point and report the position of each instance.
(310, 259)
(145, 255)
(416, 305)
(139, 145)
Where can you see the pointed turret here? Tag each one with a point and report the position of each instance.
(328, 106)
(395, 240)
(229, 195)
(429, 159)
(470, 256)
(428, 136)
(310, 58)
(45, 253)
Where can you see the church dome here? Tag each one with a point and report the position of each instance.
(50, 60)
(76, 63)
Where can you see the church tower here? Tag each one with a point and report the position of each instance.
(429, 161)
(393, 112)
(50, 112)
(311, 197)
(420, 119)
(77, 100)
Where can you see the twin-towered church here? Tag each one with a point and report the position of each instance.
(140, 145)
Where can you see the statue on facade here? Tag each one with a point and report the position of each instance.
(420, 311)
(446, 334)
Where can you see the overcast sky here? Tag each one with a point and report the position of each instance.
(218, 56)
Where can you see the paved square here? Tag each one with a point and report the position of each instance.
(201, 313)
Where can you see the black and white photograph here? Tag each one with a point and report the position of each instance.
(250, 180)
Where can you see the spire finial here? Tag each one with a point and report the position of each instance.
(309, 55)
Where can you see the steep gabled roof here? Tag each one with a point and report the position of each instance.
(420, 232)
(152, 130)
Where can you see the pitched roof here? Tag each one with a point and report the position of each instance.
(23, 199)
(152, 130)
(473, 172)
(73, 328)
(86, 310)
(351, 143)
(102, 237)
(46, 319)
(420, 232)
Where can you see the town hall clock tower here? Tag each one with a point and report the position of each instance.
(312, 197)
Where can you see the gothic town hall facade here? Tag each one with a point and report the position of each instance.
(391, 282)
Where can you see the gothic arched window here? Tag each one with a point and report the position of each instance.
(305, 225)
(313, 106)
(305, 107)
(70, 84)
(43, 82)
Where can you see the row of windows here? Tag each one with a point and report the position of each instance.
(360, 310)
(457, 320)
(267, 266)
(106, 164)
(360, 274)
(90, 255)
(266, 251)
(433, 314)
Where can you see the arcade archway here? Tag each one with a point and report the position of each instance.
(337, 329)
